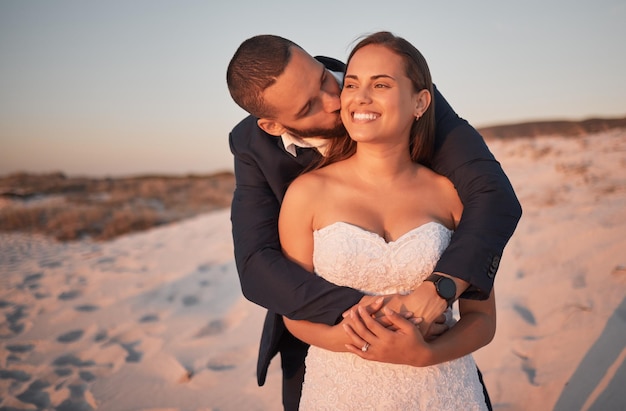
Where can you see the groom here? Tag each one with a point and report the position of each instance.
(293, 100)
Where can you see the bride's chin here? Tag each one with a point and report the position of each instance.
(357, 136)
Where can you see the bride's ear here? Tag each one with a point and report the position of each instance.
(422, 102)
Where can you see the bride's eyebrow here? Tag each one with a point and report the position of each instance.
(374, 77)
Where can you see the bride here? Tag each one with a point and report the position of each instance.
(374, 217)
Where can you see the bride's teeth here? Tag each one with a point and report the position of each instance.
(364, 116)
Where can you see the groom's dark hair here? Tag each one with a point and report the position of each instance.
(255, 66)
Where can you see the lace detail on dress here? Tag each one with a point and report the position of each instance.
(348, 255)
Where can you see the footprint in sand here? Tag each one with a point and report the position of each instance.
(101, 336)
(88, 366)
(15, 319)
(70, 336)
(40, 296)
(20, 348)
(149, 318)
(35, 394)
(69, 295)
(220, 364)
(525, 313)
(12, 359)
(63, 372)
(86, 376)
(33, 277)
(106, 260)
(203, 268)
(67, 365)
(528, 367)
(214, 327)
(190, 300)
(133, 355)
(15, 352)
(87, 308)
(81, 399)
(226, 361)
(71, 360)
(16, 375)
(31, 282)
(50, 264)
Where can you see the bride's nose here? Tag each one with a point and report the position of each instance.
(362, 95)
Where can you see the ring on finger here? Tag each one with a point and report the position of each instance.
(365, 347)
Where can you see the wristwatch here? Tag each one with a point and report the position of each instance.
(446, 288)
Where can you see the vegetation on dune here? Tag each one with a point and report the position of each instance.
(70, 208)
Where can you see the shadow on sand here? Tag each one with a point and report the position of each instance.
(600, 380)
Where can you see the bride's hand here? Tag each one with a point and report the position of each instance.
(373, 309)
(372, 341)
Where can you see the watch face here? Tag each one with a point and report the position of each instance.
(446, 288)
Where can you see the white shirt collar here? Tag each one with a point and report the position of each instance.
(321, 144)
(292, 142)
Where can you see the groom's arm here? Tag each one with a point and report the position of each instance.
(267, 277)
(490, 214)
(491, 209)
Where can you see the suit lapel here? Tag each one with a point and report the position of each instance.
(305, 156)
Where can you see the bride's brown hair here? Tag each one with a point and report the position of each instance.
(422, 138)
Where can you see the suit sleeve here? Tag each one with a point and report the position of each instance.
(491, 209)
(267, 277)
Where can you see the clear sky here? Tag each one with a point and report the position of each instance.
(133, 87)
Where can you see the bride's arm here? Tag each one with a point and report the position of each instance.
(295, 229)
(320, 335)
(405, 345)
(475, 329)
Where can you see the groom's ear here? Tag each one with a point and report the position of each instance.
(271, 126)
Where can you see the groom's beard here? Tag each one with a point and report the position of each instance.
(338, 131)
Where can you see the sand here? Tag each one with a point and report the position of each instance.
(156, 320)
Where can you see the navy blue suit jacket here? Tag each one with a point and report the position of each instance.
(263, 170)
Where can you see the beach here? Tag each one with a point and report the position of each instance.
(155, 320)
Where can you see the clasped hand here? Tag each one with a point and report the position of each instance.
(391, 337)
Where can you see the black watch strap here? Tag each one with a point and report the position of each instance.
(445, 287)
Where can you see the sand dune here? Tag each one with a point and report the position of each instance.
(156, 320)
(149, 321)
(561, 288)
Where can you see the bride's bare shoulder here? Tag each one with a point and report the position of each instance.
(315, 185)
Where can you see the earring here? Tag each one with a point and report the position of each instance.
(417, 117)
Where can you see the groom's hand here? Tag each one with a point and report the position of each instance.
(372, 305)
(437, 328)
(424, 303)
(422, 306)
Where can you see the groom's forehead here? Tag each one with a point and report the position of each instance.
(300, 82)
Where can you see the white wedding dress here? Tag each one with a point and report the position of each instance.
(348, 255)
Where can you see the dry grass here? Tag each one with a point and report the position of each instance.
(557, 128)
(102, 209)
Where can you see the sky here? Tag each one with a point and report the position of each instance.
(117, 88)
